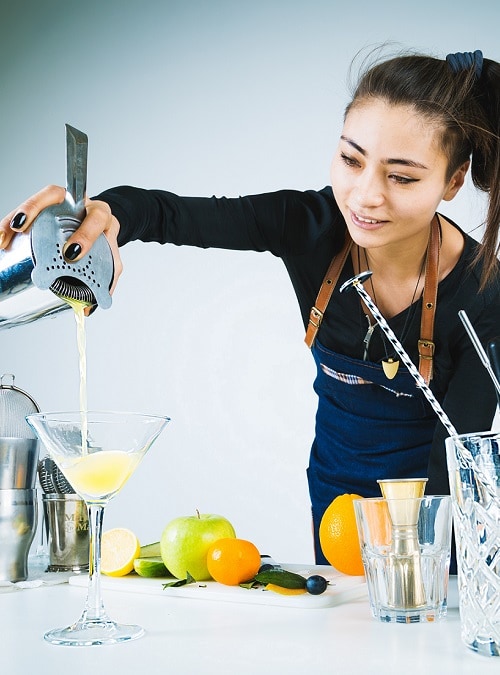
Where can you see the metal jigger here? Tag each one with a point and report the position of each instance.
(406, 587)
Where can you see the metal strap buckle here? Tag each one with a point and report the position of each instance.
(426, 349)
(315, 317)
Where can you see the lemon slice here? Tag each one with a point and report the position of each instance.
(119, 548)
(284, 591)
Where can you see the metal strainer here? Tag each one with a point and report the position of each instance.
(15, 404)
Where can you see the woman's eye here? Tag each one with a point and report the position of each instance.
(403, 180)
(352, 162)
(349, 161)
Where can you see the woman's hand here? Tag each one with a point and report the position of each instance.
(99, 220)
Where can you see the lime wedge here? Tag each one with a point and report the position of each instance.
(150, 567)
(150, 550)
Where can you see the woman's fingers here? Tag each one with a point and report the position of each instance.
(99, 220)
(113, 242)
(21, 219)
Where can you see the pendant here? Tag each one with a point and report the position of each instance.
(368, 337)
(390, 368)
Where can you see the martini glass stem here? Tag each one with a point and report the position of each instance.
(94, 606)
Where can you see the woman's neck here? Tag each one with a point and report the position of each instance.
(398, 263)
(397, 278)
(398, 274)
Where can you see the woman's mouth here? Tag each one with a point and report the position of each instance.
(365, 222)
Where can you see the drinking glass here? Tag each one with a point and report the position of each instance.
(474, 471)
(97, 452)
(405, 546)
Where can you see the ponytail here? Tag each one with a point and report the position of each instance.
(485, 166)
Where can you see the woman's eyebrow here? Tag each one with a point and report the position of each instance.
(354, 145)
(390, 160)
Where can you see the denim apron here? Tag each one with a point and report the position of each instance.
(367, 428)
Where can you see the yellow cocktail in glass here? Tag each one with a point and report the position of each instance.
(97, 452)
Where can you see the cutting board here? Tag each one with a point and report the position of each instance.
(341, 589)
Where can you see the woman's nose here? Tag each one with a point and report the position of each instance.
(368, 191)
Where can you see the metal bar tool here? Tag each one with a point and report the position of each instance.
(87, 281)
(356, 282)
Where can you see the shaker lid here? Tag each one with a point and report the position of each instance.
(15, 404)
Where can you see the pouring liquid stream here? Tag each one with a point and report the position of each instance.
(95, 476)
(78, 308)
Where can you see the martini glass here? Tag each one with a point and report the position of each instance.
(97, 452)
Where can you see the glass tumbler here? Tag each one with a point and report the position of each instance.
(474, 471)
(405, 547)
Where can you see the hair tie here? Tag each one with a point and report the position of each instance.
(461, 61)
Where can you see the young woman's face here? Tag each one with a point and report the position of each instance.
(388, 174)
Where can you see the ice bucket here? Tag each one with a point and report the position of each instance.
(67, 523)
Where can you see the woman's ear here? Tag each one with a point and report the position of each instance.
(456, 181)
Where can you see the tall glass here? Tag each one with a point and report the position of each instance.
(97, 452)
(474, 470)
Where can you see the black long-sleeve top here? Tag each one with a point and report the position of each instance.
(305, 229)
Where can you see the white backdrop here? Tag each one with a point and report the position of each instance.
(199, 98)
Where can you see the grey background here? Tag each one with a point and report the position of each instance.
(199, 98)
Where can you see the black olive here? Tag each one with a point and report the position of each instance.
(316, 584)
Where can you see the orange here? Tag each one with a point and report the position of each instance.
(232, 561)
(338, 536)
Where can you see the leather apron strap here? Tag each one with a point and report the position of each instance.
(326, 290)
(425, 344)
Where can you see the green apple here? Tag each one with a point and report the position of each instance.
(185, 542)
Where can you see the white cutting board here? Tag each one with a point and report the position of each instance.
(341, 589)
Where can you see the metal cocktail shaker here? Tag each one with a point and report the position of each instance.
(18, 523)
(19, 449)
(20, 300)
(35, 278)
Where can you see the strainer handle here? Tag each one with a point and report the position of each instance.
(7, 375)
(20, 391)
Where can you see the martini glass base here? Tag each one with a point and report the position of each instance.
(93, 632)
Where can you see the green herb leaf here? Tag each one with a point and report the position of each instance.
(180, 582)
(281, 577)
(250, 584)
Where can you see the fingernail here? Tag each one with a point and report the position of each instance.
(18, 221)
(72, 251)
(2, 238)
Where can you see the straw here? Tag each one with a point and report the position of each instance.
(479, 348)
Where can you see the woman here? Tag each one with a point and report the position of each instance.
(413, 129)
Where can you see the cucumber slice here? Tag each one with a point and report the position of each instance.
(281, 577)
(150, 567)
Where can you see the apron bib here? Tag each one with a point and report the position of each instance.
(367, 428)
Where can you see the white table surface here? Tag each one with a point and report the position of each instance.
(188, 636)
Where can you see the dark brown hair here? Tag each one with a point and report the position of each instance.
(467, 109)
